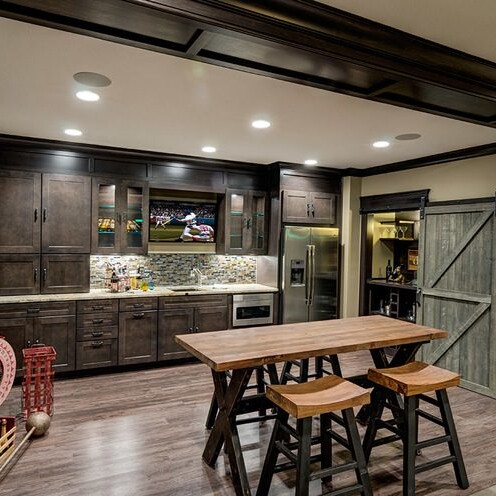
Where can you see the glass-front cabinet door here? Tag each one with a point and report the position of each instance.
(135, 211)
(257, 224)
(236, 221)
(120, 210)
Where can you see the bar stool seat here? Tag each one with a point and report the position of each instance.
(413, 380)
(302, 401)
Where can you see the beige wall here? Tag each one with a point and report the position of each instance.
(472, 178)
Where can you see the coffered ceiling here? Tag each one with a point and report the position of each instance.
(162, 103)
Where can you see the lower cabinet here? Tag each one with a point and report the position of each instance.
(137, 337)
(183, 315)
(96, 353)
(52, 324)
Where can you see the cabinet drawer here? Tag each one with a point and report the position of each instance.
(37, 309)
(97, 320)
(96, 353)
(103, 305)
(166, 302)
(97, 333)
(137, 304)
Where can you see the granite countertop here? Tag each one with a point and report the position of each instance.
(158, 291)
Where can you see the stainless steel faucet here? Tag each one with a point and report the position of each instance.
(196, 272)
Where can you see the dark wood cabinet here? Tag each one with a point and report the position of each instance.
(137, 337)
(119, 216)
(35, 325)
(304, 207)
(187, 314)
(66, 215)
(96, 353)
(19, 274)
(246, 222)
(59, 332)
(20, 203)
(65, 273)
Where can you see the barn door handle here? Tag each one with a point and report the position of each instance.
(418, 297)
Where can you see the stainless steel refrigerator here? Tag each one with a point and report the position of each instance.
(309, 273)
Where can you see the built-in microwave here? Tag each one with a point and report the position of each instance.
(253, 309)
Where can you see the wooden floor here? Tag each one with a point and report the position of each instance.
(142, 433)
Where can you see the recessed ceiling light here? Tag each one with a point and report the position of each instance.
(380, 144)
(73, 132)
(260, 124)
(310, 161)
(408, 136)
(88, 96)
(92, 79)
(209, 149)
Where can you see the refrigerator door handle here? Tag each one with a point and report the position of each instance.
(308, 276)
(312, 275)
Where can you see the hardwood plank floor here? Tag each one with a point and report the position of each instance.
(142, 434)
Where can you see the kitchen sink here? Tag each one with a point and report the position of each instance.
(187, 290)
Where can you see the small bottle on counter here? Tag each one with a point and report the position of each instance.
(114, 283)
(389, 271)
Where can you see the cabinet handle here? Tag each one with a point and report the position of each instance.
(33, 310)
(36, 341)
(248, 223)
(313, 210)
(138, 305)
(97, 344)
(45, 272)
(119, 218)
(97, 321)
(45, 214)
(308, 209)
(97, 334)
(97, 307)
(197, 329)
(190, 329)
(35, 214)
(138, 315)
(28, 344)
(35, 275)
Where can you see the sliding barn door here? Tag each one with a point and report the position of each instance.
(457, 281)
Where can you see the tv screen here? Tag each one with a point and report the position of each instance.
(182, 221)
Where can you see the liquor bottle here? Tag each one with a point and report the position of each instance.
(114, 283)
(389, 270)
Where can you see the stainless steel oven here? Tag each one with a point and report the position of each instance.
(253, 309)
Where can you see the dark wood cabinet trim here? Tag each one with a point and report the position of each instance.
(408, 200)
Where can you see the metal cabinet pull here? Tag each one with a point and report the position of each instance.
(45, 272)
(33, 310)
(190, 329)
(97, 344)
(248, 223)
(138, 315)
(138, 305)
(313, 210)
(45, 214)
(28, 343)
(97, 334)
(308, 209)
(35, 214)
(197, 329)
(97, 321)
(35, 275)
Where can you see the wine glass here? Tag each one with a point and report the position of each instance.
(402, 230)
(394, 230)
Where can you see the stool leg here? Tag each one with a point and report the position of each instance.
(454, 445)
(409, 448)
(286, 369)
(304, 429)
(325, 444)
(376, 409)
(356, 449)
(319, 367)
(271, 456)
(304, 370)
(260, 387)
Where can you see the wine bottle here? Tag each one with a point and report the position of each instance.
(389, 270)
(114, 283)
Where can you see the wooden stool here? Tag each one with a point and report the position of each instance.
(303, 401)
(412, 381)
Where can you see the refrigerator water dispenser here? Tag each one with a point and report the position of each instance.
(297, 277)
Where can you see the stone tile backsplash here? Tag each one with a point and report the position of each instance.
(174, 269)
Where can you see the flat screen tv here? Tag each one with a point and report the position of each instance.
(182, 221)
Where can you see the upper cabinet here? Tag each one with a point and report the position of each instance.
(120, 216)
(20, 201)
(246, 222)
(304, 207)
(66, 216)
(46, 213)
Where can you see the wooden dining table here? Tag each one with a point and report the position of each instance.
(244, 350)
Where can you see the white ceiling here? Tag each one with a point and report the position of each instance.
(168, 104)
(466, 25)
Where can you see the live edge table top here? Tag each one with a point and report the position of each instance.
(257, 346)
